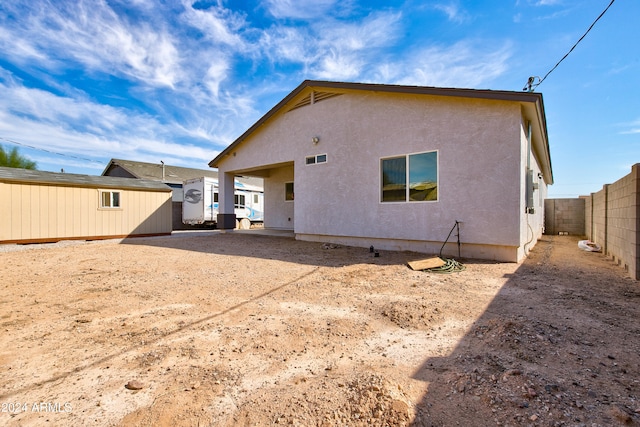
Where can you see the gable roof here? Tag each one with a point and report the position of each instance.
(155, 171)
(531, 102)
(76, 180)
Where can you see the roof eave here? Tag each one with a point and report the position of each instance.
(542, 120)
(528, 97)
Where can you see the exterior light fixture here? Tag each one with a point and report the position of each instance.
(315, 140)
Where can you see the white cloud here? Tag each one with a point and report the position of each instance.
(461, 65)
(547, 2)
(215, 75)
(217, 24)
(79, 127)
(631, 128)
(376, 30)
(93, 35)
(288, 44)
(303, 9)
(174, 63)
(337, 66)
(453, 12)
(19, 49)
(333, 49)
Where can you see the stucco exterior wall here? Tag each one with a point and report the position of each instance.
(278, 213)
(36, 212)
(480, 162)
(532, 220)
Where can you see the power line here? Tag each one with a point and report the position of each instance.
(531, 85)
(11, 141)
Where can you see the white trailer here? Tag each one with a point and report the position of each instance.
(200, 205)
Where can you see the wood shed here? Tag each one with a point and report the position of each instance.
(40, 207)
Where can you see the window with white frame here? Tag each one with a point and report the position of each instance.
(318, 158)
(109, 199)
(410, 178)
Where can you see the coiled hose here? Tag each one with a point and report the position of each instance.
(451, 266)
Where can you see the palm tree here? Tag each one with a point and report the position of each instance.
(13, 159)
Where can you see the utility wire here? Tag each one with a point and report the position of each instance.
(530, 86)
(11, 141)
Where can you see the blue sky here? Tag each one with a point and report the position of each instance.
(177, 81)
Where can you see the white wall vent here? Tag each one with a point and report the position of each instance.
(312, 98)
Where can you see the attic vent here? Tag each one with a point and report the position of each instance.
(314, 97)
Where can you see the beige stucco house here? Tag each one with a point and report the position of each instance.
(395, 167)
(40, 206)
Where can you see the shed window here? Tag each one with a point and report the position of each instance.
(410, 178)
(109, 199)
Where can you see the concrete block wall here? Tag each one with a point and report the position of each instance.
(614, 214)
(564, 216)
(598, 224)
(588, 216)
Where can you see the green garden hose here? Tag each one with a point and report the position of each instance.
(451, 266)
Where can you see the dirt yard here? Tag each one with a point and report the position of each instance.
(250, 330)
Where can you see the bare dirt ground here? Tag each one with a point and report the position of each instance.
(243, 330)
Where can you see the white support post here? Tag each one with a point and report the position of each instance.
(226, 216)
